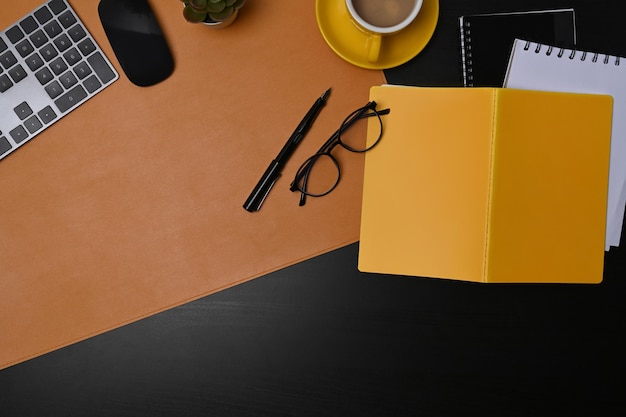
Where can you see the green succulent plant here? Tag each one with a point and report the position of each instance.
(196, 11)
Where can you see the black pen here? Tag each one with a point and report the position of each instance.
(267, 181)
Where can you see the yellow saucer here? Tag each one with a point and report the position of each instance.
(350, 43)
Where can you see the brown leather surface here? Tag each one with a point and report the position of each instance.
(132, 204)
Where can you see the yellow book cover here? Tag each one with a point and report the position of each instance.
(487, 185)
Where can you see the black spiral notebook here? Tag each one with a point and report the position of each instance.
(486, 40)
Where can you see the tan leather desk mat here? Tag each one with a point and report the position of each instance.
(132, 204)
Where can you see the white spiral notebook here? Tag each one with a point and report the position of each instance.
(534, 66)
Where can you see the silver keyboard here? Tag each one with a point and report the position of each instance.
(49, 65)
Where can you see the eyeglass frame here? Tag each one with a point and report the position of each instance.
(303, 172)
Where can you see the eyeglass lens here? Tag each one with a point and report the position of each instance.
(354, 138)
(320, 174)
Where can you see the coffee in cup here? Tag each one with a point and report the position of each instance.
(378, 18)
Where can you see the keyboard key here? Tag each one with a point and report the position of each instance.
(101, 68)
(5, 83)
(77, 32)
(3, 45)
(47, 114)
(82, 70)
(5, 146)
(29, 24)
(38, 38)
(44, 76)
(8, 59)
(24, 48)
(34, 62)
(23, 110)
(92, 84)
(58, 66)
(68, 79)
(48, 52)
(62, 42)
(53, 28)
(33, 124)
(54, 89)
(71, 98)
(57, 6)
(19, 134)
(17, 73)
(14, 34)
(86, 46)
(67, 19)
(43, 15)
(72, 56)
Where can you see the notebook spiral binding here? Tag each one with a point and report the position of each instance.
(572, 53)
(466, 55)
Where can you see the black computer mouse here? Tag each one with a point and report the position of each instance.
(137, 40)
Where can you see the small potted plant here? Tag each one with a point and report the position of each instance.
(213, 13)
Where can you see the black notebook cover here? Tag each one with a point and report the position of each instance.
(487, 39)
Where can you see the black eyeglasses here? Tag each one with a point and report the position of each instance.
(324, 178)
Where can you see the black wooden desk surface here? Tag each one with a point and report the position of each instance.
(322, 339)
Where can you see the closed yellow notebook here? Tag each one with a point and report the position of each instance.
(487, 185)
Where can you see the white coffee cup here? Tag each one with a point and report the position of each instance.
(378, 18)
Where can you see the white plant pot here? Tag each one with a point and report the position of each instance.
(221, 24)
